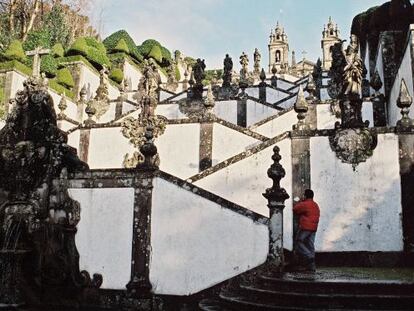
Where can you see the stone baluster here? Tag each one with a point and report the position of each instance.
(262, 87)
(273, 80)
(82, 103)
(301, 108)
(404, 102)
(185, 81)
(378, 100)
(120, 100)
(276, 196)
(139, 285)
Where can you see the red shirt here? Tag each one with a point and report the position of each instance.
(308, 212)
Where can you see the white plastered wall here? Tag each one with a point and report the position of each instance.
(360, 210)
(278, 125)
(197, 244)
(104, 237)
(326, 119)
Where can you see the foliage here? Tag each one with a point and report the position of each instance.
(56, 26)
(49, 65)
(36, 39)
(117, 75)
(58, 50)
(211, 75)
(15, 51)
(113, 40)
(166, 56)
(74, 58)
(121, 47)
(14, 64)
(64, 77)
(93, 50)
(156, 54)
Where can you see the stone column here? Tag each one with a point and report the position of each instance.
(262, 87)
(405, 131)
(84, 139)
(242, 109)
(276, 197)
(206, 145)
(139, 285)
(378, 101)
(8, 84)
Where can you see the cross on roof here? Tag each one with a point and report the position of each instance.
(37, 54)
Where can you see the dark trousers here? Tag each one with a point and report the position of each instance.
(305, 248)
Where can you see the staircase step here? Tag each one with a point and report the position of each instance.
(333, 300)
(309, 284)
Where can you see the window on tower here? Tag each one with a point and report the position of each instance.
(277, 56)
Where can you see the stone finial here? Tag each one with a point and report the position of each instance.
(274, 70)
(273, 79)
(301, 108)
(90, 111)
(262, 76)
(376, 82)
(62, 105)
(404, 102)
(83, 93)
(311, 87)
(191, 81)
(149, 150)
(276, 195)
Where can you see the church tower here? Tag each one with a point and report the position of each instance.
(330, 36)
(278, 49)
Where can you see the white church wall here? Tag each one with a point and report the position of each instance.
(273, 96)
(360, 210)
(133, 74)
(405, 71)
(104, 236)
(65, 125)
(257, 112)
(198, 243)
(72, 109)
(244, 182)
(73, 140)
(107, 148)
(170, 111)
(17, 83)
(279, 125)
(179, 149)
(253, 92)
(226, 110)
(228, 142)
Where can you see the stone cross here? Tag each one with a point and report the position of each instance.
(37, 54)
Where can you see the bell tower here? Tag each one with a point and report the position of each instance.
(330, 36)
(278, 48)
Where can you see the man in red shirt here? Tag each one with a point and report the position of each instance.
(308, 212)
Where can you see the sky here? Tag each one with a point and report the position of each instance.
(209, 29)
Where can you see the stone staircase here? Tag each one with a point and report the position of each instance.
(327, 289)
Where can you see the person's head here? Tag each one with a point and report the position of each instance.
(308, 194)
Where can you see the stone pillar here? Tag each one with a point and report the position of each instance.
(84, 139)
(8, 84)
(405, 131)
(206, 145)
(242, 109)
(276, 197)
(139, 286)
(262, 87)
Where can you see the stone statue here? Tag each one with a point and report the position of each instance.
(353, 70)
(244, 62)
(336, 73)
(227, 72)
(257, 57)
(38, 217)
(198, 75)
(151, 79)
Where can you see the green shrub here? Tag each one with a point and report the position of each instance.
(40, 38)
(177, 73)
(113, 40)
(117, 75)
(15, 51)
(146, 47)
(93, 50)
(189, 61)
(58, 50)
(156, 54)
(49, 65)
(121, 47)
(64, 77)
(166, 56)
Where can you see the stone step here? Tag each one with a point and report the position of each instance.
(337, 286)
(272, 296)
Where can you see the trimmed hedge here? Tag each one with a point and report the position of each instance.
(49, 65)
(15, 51)
(64, 77)
(121, 47)
(113, 40)
(92, 50)
(117, 75)
(58, 50)
(156, 54)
